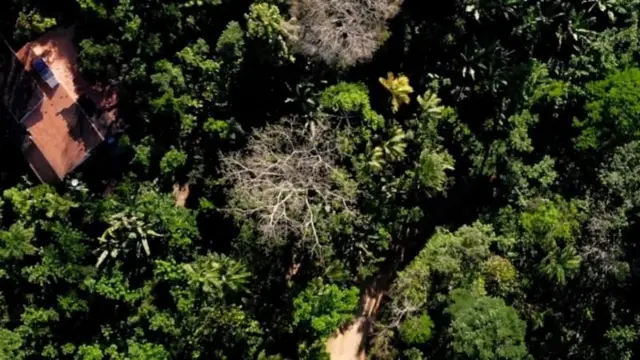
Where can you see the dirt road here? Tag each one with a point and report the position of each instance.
(350, 343)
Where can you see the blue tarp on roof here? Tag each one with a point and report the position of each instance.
(43, 70)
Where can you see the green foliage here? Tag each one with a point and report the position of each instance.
(32, 23)
(159, 209)
(485, 328)
(137, 351)
(37, 202)
(319, 310)
(448, 260)
(620, 339)
(560, 264)
(462, 252)
(231, 42)
(417, 329)
(92, 54)
(93, 6)
(350, 98)
(263, 21)
(548, 233)
(322, 308)
(172, 161)
(391, 150)
(10, 344)
(218, 274)
(200, 3)
(124, 227)
(514, 176)
(550, 223)
(413, 354)
(264, 26)
(613, 108)
(218, 127)
(500, 274)
(15, 243)
(399, 88)
(142, 156)
(51, 250)
(610, 50)
(432, 167)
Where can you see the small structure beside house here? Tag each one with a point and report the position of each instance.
(64, 117)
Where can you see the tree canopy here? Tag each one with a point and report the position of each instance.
(460, 182)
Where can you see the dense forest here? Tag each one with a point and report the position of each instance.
(460, 179)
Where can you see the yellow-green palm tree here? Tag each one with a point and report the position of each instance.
(399, 88)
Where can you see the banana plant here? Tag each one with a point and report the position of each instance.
(124, 228)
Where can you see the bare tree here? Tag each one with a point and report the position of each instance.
(289, 182)
(340, 32)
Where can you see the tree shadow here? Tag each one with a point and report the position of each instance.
(12, 164)
(79, 127)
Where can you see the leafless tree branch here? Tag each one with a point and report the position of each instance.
(340, 32)
(287, 180)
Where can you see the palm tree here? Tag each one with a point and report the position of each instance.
(560, 264)
(399, 88)
(392, 149)
(218, 273)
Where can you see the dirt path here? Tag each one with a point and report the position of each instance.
(350, 343)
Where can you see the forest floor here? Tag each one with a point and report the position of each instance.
(181, 193)
(350, 343)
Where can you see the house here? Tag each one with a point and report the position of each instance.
(64, 118)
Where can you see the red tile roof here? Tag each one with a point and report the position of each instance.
(59, 128)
